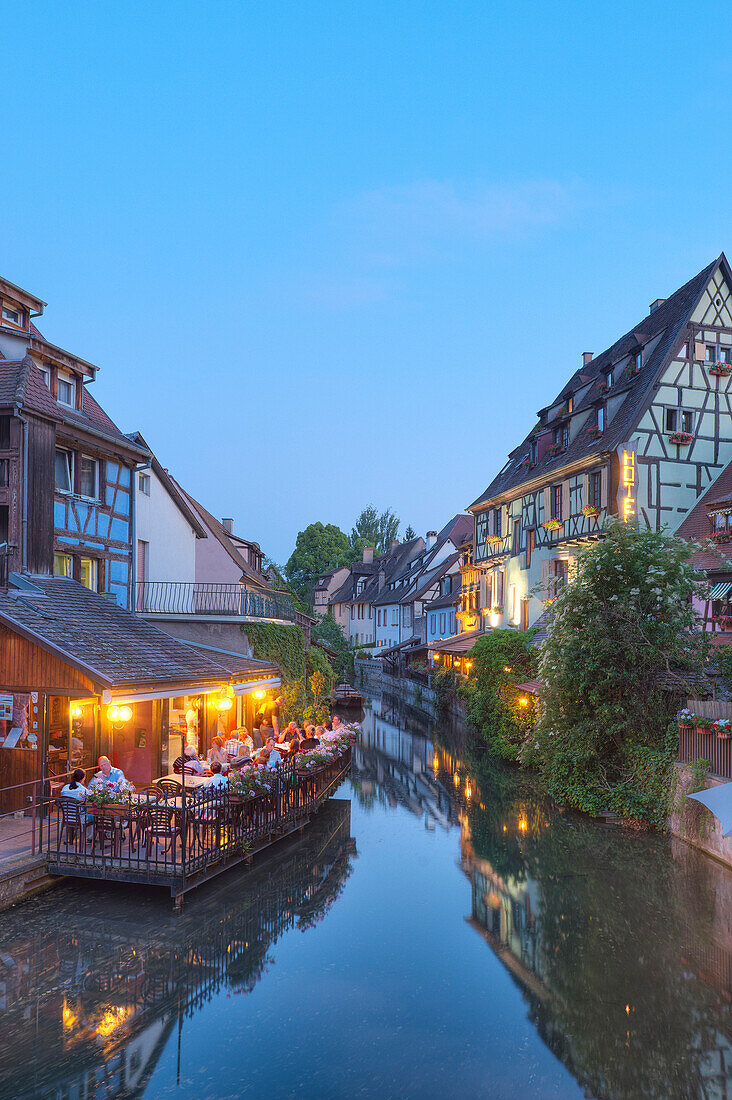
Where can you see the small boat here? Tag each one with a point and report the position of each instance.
(346, 696)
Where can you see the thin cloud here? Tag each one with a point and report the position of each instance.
(428, 218)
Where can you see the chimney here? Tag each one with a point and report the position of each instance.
(382, 579)
(654, 305)
(431, 539)
(587, 357)
(394, 542)
(368, 555)
(228, 526)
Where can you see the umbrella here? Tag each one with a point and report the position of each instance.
(719, 801)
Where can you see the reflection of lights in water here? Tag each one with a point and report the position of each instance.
(111, 1019)
(456, 779)
(68, 1018)
(435, 763)
(523, 824)
(504, 828)
(468, 789)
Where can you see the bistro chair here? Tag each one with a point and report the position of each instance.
(169, 788)
(105, 828)
(72, 820)
(160, 823)
(146, 797)
(209, 812)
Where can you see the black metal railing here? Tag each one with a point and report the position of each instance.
(171, 835)
(212, 598)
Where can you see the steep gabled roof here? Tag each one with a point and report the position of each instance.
(172, 489)
(459, 529)
(220, 533)
(22, 386)
(426, 580)
(665, 325)
(390, 563)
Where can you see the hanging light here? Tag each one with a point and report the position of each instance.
(259, 694)
(77, 710)
(523, 701)
(224, 703)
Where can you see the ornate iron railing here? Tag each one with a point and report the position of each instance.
(212, 598)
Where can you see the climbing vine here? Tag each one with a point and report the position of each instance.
(284, 646)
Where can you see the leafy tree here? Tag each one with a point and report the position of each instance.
(500, 661)
(410, 534)
(319, 548)
(329, 632)
(623, 644)
(374, 529)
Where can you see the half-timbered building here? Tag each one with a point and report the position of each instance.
(640, 431)
(66, 489)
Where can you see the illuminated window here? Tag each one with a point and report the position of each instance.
(62, 565)
(88, 573)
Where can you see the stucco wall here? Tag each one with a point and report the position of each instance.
(171, 539)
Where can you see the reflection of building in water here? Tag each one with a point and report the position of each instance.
(89, 999)
(396, 764)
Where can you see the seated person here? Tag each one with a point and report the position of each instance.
(287, 734)
(188, 762)
(243, 761)
(216, 779)
(109, 773)
(76, 788)
(336, 724)
(216, 754)
(238, 743)
(273, 756)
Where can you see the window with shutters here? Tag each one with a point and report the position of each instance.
(594, 492)
(530, 543)
(516, 549)
(556, 501)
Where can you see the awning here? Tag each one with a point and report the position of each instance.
(719, 801)
(531, 687)
(256, 685)
(413, 641)
(457, 644)
(720, 590)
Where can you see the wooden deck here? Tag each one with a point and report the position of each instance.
(181, 843)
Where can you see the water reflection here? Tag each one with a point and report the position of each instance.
(620, 942)
(94, 982)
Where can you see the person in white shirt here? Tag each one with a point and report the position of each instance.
(274, 757)
(75, 789)
(216, 779)
(238, 743)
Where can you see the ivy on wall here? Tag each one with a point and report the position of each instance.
(284, 646)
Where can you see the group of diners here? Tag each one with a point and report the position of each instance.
(262, 747)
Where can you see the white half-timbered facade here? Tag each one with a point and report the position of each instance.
(640, 431)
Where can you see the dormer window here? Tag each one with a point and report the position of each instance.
(639, 359)
(609, 379)
(15, 316)
(46, 375)
(66, 390)
(570, 404)
(600, 418)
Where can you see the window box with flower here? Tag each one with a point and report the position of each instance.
(685, 719)
(494, 541)
(594, 432)
(681, 439)
(723, 728)
(721, 370)
(590, 511)
(552, 525)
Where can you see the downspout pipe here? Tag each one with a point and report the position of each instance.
(24, 514)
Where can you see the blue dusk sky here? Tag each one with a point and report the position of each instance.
(333, 254)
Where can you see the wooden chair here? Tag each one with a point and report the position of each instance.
(73, 820)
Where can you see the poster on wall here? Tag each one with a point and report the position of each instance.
(6, 707)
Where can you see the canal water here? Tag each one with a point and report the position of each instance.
(440, 931)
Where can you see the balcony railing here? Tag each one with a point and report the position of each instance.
(212, 598)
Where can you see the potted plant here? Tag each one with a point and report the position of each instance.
(685, 720)
(703, 725)
(722, 370)
(604, 388)
(723, 728)
(106, 792)
(594, 432)
(631, 370)
(552, 525)
(681, 439)
(246, 784)
(590, 511)
(495, 540)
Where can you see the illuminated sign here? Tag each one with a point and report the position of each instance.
(627, 478)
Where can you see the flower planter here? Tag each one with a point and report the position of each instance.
(685, 727)
(706, 730)
(722, 370)
(594, 433)
(681, 439)
(590, 512)
(552, 525)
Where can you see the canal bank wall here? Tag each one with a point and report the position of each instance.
(692, 822)
(371, 677)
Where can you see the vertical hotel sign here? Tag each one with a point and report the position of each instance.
(628, 484)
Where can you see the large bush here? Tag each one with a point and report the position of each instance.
(502, 715)
(624, 649)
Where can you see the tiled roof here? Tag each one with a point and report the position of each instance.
(666, 325)
(111, 645)
(459, 530)
(391, 562)
(450, 599)
(22, 384)
(695, 526)
(426, 580)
